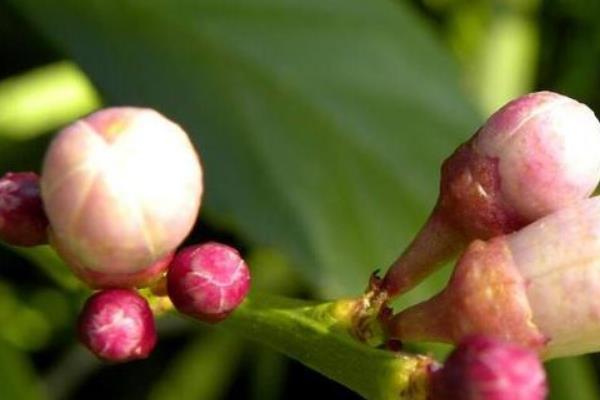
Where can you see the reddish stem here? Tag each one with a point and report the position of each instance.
(435, 244)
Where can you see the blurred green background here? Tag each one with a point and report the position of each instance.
(322, 125)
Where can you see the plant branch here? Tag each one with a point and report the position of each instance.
(316, 334)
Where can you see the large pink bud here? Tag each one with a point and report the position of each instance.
(543, 154)
(537, 287)
(122, 189)
(537, 154)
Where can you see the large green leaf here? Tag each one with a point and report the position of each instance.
(322, 123)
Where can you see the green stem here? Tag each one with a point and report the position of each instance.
(316, 334)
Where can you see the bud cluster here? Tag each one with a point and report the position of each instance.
(119, 191)
(514, 200)
(536, 155)
(522, 287)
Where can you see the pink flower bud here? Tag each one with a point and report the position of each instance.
(101, 280)
(208, 281)
(22, 218)
(122, 189)
(537, 154)
(537, 287)
(483, 368)
(117, 325)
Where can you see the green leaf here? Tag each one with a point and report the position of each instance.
(322, 123)
(202, 371)
(18, 378)
(572, 378)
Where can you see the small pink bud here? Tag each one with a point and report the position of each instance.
(208, 281)
(22, 218)
(537, 154)
(121, 188)
(537, 287)
(484, 368)
(117, 325)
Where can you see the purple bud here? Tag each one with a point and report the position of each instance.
(121, 188)
(208, 281)
(22, 218)
(484, 368)
(117, 325)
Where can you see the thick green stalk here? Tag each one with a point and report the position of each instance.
(316, 335)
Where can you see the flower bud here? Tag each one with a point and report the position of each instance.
(122, 189)
(537, 287)
(22, 218)
(484, 368)
(117, 325)
(208, 281)
(537, 154)
(101, 280)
